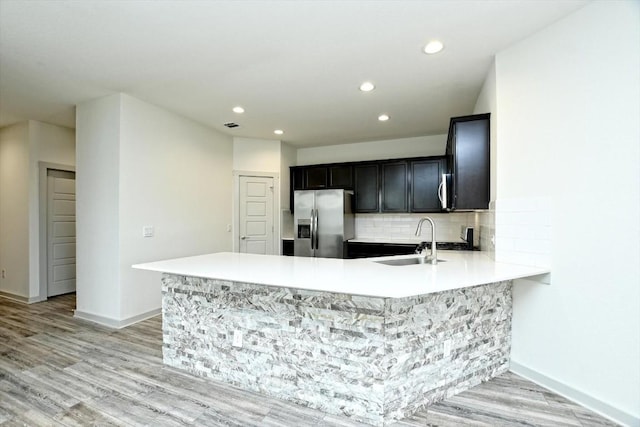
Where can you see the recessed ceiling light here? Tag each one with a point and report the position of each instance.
(238, 109)
(434, 46)
(367, 87)
(383, 117)
(278, 131)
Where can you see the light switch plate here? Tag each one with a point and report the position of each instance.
(147, 231)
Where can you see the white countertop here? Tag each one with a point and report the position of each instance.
(353, 276)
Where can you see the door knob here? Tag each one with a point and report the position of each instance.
(243, 237)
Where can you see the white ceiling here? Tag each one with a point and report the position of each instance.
(294, 65)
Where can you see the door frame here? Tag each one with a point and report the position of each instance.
(43, 167)
(277, 247)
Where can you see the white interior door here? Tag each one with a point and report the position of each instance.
(61, 232)
(256, 215)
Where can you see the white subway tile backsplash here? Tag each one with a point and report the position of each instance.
(542, 260)
(523, 231)
(534, 246)
(391, 227)
(485, 223)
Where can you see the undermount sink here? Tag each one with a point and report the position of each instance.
(404, 261)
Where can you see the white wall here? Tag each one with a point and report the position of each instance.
(288, 158)
(175, 175)
(256, 155)
(568, 132)
(433, 145)
(22, 146)
(98, 290)
(14, 209)
(140, 165)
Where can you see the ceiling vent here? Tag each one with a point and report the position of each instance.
(231, 125)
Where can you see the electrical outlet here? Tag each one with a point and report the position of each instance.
(447, 348)
(237, 338)
(4, 273)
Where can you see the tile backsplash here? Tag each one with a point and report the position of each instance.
(401, 227)
(486, 224)
(523, 231)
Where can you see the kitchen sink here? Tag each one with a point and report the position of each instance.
(403, 261)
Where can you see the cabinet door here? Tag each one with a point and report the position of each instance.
(297, 178)
(287, 247)
(394, 187)
(341, 176)
(315, 177)
(471, 164)
(366, 188)
(425, 180)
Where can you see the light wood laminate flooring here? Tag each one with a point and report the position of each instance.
(59, 371)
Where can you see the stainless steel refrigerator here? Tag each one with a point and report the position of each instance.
(323, 222)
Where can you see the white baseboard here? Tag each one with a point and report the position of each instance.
(19, 298)
(614, 414)
(114, 323)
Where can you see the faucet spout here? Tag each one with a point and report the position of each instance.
(433, 258)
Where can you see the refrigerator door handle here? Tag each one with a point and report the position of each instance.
(315, 228)
(312, 231)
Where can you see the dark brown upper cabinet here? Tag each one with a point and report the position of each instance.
(366, 188)
(468, 163)
(341, 176)
(297, 179)
(315, 177)
(387, 186)
(425, 179)
(394, 186)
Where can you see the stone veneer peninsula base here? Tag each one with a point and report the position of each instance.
(374, 359)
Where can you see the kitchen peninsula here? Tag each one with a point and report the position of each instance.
(353, 337)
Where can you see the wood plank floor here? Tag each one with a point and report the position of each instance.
(59, 371)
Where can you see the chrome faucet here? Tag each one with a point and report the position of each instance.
(433, 258)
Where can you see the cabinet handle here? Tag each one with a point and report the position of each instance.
(442, 191)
